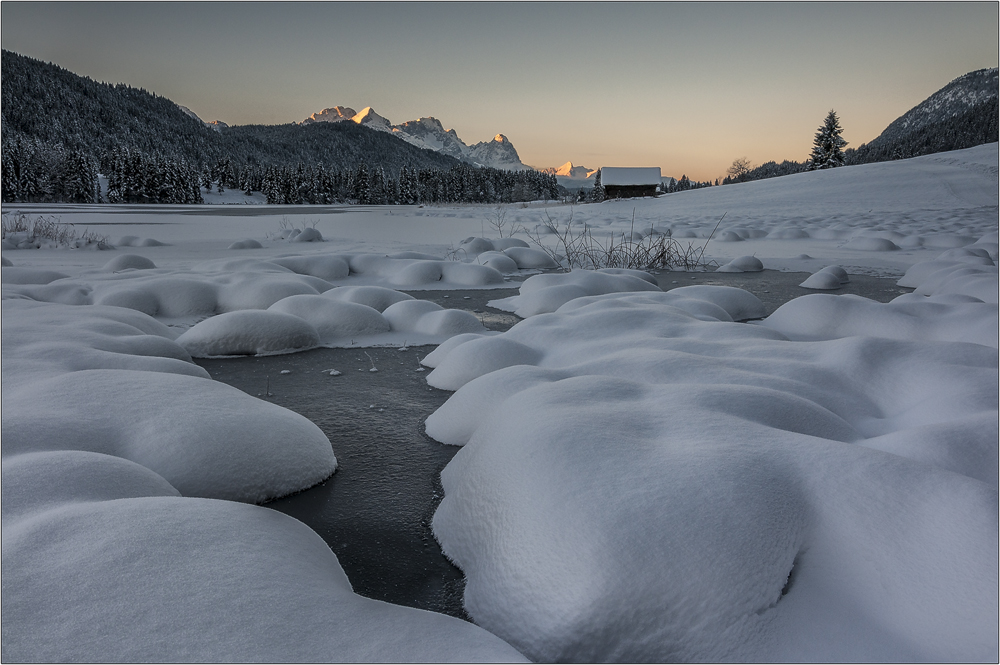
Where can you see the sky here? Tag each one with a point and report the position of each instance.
(687, 87)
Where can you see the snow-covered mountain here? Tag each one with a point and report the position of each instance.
(335, 114)
(498, 153)
(429, 133)
(570, 171)
(570, 175)
(952, 100)
(217, 125)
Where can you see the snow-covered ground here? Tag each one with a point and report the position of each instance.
(642, 477)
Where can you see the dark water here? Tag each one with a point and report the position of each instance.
(375, 511)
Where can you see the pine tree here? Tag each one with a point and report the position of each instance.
(828, 146)
(598, 193)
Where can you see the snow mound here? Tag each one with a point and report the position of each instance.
(99, 581)
(249, 332)
(963, 273)
(5, 262)
(164, 296)
(524, 257)
(306, 235)
(824, 281)
(547, 293)
(498, 261)
(19, 275)
(423, 316)
(64, 293)
(503, 244)
(128, 262)
(475, 246)
(243, 291)
(213, 440)
(839, 272)
(444, 348)
(328, 267)
(643, 483)
(376, 297)
(529, 258)
(136, 241)
(333, 320)
(871, 244)
(42, 340)
(480, 356)
(246, 243)
(415, 273)
(743, 264)
(908, 317)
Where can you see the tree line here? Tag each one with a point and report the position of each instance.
(34, 172)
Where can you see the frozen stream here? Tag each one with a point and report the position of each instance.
(375, 511)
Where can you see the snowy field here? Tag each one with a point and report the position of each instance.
(644, 475)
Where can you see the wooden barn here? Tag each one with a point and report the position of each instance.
(622, 182)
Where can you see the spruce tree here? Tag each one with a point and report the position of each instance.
(598, 193)
(828, 146)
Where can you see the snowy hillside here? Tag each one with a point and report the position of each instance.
(429, 133)
(952, 100)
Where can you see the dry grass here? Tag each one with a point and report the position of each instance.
(26, 232)
(576, 247)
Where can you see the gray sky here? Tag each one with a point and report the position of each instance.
(684, 86)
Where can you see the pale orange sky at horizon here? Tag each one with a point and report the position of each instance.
(684, 86)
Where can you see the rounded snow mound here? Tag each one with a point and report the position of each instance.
(871, 244)
(65, 293)
(502, 244)
(547, 293)
(333, 319)
(256, 291)
(822, 281)
(957, 318)
(249, 333)
(376, 297)
(307, 234)
(839, 272)
(474, 246)
(164, 296)
(246, 243)
(123, 590)
(529, 258)
(19, 275)
(328, 267)
(424, 316)
(136, 241)
(498, 261)
(128, 262)
(212, 440)
(959, 275)
(5, 262)
(415, 273)
(743, 264)
(480, 356)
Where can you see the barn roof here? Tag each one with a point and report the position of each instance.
(624, 176)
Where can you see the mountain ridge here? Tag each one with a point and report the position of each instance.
(429, 133)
